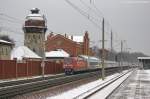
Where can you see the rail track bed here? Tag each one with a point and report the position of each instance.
(28, 80)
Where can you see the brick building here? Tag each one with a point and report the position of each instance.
(74, 45)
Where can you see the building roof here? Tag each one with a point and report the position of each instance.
(35, 17)
(5, 42)
(143, 57)
(23, 52)
(78, 39)
(89, 57)
(57, 53)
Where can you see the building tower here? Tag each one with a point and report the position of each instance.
(86, 44)
(34, 31)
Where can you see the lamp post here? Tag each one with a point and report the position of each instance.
(43, 60)
(128, 55)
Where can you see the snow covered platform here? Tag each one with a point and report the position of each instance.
(135, 87)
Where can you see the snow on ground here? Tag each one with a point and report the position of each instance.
(136, 87)
(82, 89)
(110, 88)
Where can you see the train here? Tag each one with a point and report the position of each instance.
(86, 63)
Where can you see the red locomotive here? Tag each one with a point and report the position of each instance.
(81, 63)
(73, 64)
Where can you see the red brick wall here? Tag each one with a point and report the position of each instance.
(7, 69)
(12, 69)
(21, 69)
(53, 67)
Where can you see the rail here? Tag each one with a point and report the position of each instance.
(100, 87)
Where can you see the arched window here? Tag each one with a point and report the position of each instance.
(34, 50)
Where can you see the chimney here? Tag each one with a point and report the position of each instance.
(50, 35)
(86, 34)
(71, 37)
(65, 35)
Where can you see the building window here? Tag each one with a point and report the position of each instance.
(6, 51)
(34, 50)
(34, 36)
(2, 51)
(28, 37)
(35, 40)
(39, 37)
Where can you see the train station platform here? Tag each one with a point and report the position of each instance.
(137, 86)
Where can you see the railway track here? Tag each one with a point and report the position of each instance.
(20, 87)
(28, 80)
(89, 94)
(10, 91)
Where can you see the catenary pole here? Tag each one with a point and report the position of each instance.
(103, 51)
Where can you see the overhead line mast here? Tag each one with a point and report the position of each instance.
(111, 43)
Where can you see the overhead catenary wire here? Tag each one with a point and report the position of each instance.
(10, 17)
(11, 30)
(94, 11)
(10, 21)
(83, 13)
(96, 19)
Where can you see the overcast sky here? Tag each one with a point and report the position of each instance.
(128, 19)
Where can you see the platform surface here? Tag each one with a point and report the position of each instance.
(136, 87)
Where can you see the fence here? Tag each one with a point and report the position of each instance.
(13, 69)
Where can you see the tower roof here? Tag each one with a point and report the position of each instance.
(35, 10)
(34, 17)
(35, 22)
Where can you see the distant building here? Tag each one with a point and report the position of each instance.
(106, 52)
(5, 49)
(34, 29)
(73, 45)
(145, 62)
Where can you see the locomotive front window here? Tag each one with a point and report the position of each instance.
(67, 60)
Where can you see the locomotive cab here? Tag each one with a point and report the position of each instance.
(74, 64)
(68, 65)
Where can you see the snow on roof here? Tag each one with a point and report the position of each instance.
(3, 41)
(23, 52)
(88, 57)
(57, 53)
(35, 17)
(77, 38)
(143, 57)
